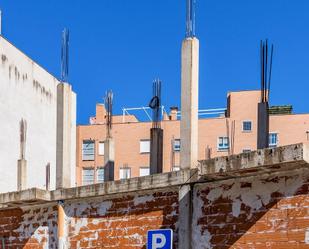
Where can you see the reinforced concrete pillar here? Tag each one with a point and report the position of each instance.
(189, 103)
(21, 174)
(62, 244)
(109, 159)
(185, 217)
(66, 128)
(263, 126)
(156, 151)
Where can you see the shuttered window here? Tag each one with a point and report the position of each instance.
(88, 150)
(88, 176)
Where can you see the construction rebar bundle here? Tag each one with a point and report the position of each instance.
(65, 55)
(190, 18)
(266, 68)
(155, 104)
(108, 101)
(263, 115)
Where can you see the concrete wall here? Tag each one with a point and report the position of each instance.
(29, 92)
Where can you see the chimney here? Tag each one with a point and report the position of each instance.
(173, 113)
(100, 113)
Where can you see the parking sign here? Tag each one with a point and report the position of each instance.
(160, 239)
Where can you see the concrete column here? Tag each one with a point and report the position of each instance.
(109, 159)
(156, 151)
(189, 103)
(21, 174)
(263, 126)
(61, 226)
(185, 217)
(66, 125)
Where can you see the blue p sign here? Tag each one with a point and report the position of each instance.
(160, 239)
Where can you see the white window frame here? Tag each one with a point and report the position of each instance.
(272, 145)
(243, 125)
(88, 157)
(143, 148)
(144, 168)
(101, 148)
(100, 169)
(91, 176)
(121, 176)
(176, 145)
(223, 148)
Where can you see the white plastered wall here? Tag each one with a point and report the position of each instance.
(27, 91)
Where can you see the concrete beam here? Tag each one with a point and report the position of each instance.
(189, 103)
(26, 197)
(156, 151)
(66, 124)
(21, 174)
(267, 161)
(172, 179)
(109, 159)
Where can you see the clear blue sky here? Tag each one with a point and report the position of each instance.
(123, 45)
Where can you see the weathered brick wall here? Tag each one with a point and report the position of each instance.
(264, 211)
(255, 212)
(29, 228)
(121, 222)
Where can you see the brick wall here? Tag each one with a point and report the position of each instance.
(255, 212)
(29, 228)
(264, 211)
(121, 222)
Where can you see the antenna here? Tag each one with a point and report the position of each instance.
(155, 104)
(65, 55)
(108, 101)
(190, 18)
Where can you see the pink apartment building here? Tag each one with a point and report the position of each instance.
(232, 132)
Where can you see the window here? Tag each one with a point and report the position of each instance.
(88, 150)
(88, 175)
(246, 150)
(176, 168)
(246, 126)
(273, 139)
(101, 148)
(223, 143)
(100, 175)
(144, 146)
(176, 145)
(125, 173)
(144, 171)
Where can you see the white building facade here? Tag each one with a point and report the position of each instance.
(29, 93)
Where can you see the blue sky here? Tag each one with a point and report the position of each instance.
(123, 45)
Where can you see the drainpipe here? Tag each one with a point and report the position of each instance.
(61, 225)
